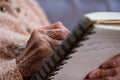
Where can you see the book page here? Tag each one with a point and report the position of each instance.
(100, 47)
(104, 15)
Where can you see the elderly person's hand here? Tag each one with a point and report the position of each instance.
(110, 70)
(39, 47)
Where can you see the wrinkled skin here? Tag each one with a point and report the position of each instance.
(110, 70)
(19, 20)
(39, 47)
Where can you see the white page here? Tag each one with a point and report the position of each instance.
(102, 46)
(104, 15)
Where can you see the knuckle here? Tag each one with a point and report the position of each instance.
(37, 36)
(114, 63)
(116, 71)
(110, 63)
(35, 31)
(108, 78)
(65, 31)
(58, 25)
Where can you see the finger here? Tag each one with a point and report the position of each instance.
(55, 43)
(57, 25)
(117, 77)
(93, 74)
(58, 34)
(42, 37)
(105, 78)
(57, 31)
(112, 63)
(102, 73)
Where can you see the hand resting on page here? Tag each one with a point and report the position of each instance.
(109, 70)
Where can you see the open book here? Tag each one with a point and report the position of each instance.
(102, 46)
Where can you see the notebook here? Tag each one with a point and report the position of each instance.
(100, 47)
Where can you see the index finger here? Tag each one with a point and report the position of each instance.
(112, 63)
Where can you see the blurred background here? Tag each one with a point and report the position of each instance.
(69, 12)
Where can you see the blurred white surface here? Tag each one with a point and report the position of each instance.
(70, 11)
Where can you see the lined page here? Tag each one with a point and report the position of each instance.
(102, 46)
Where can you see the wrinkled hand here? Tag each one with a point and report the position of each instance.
(110, 70)
(39, 47)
